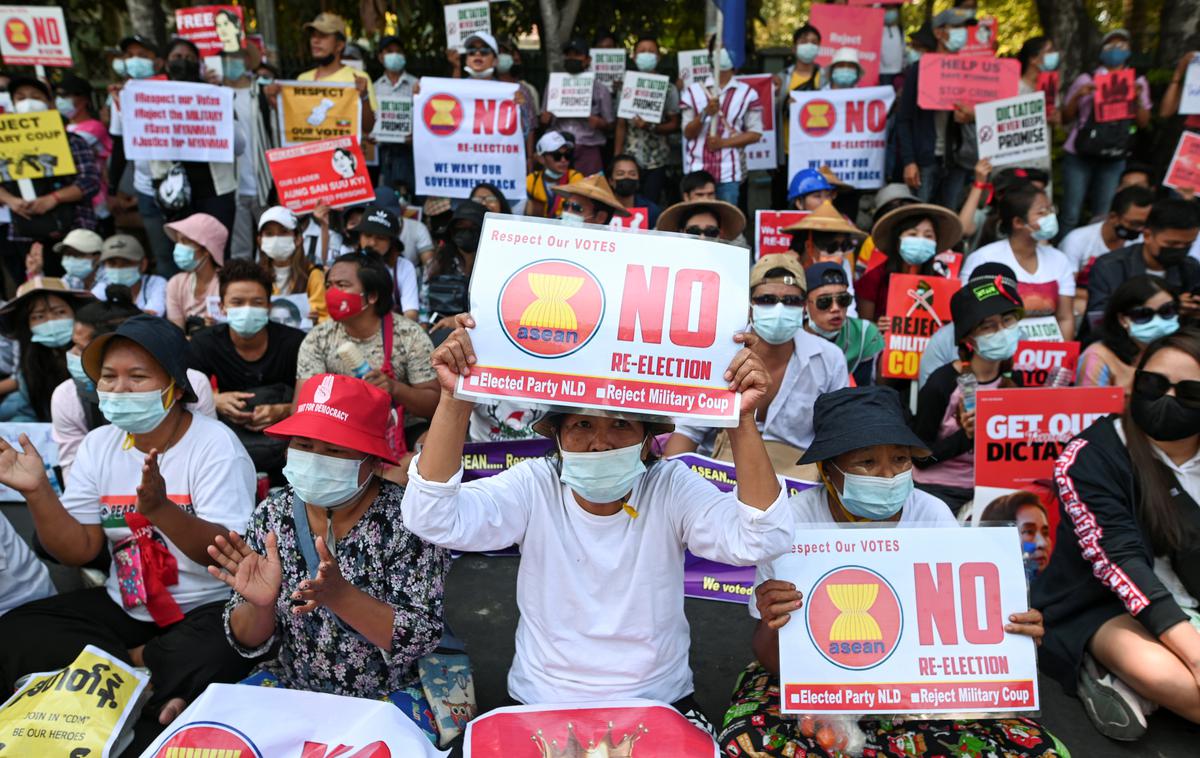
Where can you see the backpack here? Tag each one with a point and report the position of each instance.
(1108, 139)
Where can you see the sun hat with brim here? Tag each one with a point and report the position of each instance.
(163, 340)
(547, 426)
(834, 179)
(981, 298)
(825, 219)
(342, 411)
(203, 229)
(327, 23)
(729, 218)
(39, 285)
(81, 241)
(946, 226)
(846, 55)
(596, 189)
(856, 417)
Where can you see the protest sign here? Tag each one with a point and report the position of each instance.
(949, 80)
(41, 436)
(310, 111)
(637, 220)
(844, 129)
(483, 459)
(80, 710)
(1047, 84)
(762, 154)
(331, 171)
(644, 95)
(1013, 131)
(177, 121)
(34, 35)
(33, 146)
(1115, 98)
(608, 64)
(214, 29)
(694, 66)
(981, 38)
(769, 236)
(917, 306)
(1039, 328)
(570, 96)
(1034, 361)
(588, 317)
(1189, 98)
(465, 19)
(292, 310)
(1184, 171)
(850, 26)
(466, 132)
(395, 118)
(243, 720)
(590, 730)
(907, 621)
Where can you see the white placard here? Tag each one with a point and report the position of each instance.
(608, 64)
(844, 129)
(644, 95)
(570, 96)
(34, 35)
(1189, 98)
(465, 19)
(177, 121)
(694, 66)
(1013, 131)
(395, 118)
(41, 436)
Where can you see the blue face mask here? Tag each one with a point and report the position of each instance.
(875, 497)
(126, 276)
(806, 52)
(504, 63)
(139, 68)
(1153, 329)
(265, 81)
(1114, 57)
(603, 477)
(235, 68)
(394, 62)
(75, 369)
(777, 323)
(322, 480)
(956, 39)
(136, 412)
(65, 106)
(917, 250)
(77, 267)
(248, 320)
(118, 67)
(1050, 61)
(891, 16)
(646, 61)
(1047, 228)
(185, 257)
(56, 333)
(1000, 345)
(844, 77)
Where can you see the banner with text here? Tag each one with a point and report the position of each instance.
(215, 29)
(1013, 132)
(33, 146)
(608, 64)
(590, 317)
(570, 96)
(844, 129)
(694, 66)
(1115, 98)
(395, 118)
(850, 26)
(177, 121)
(332, 172)
(1035, 360)
(917, 307)
(1189, 98)
(310, 111)
(465, 19)
(769, 236)
(466, 132)
(644, 95)
(762, 154)
(1184, 172)
(949, 80)
(34, 35)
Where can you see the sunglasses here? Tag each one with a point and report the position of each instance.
(573, 207)
(792, 301)
(839, 246)
(562, 155)
(1143, 314)
(825, 302)
(712, 232)
(1154, 385)
(479, 51)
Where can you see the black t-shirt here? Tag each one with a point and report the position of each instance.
(211, 351)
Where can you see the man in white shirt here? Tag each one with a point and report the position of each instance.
(1121, 227)
(396, 85)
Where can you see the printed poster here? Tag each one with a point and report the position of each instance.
(215, 29)
(644, 95)
(845, 130)
(850, 26)
(608, 64)
(310, 111)
(949, 80)
(394, 122)
(177, 121)
(1115, 98)
(981, 38)
(917, 307)
(1184, 172)
(1013, 132)
(1035, 360)
(637, 220)
(570, 96)
(333, 172)
(465, 19)
(34, 35)
(762, 154)
(1189, 98)
(34, 145)
(694, 66)
(1047, 84)
(769, 236)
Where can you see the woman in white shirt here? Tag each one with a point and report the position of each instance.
(602, 529)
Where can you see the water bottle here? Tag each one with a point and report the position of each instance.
(1059, 376)
(353, 359)
(967, 383)
(1030, 562)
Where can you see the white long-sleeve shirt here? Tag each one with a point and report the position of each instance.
(601, 597)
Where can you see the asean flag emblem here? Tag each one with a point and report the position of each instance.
(208, 738)
(854, 617)
(443, 114)
(17, 32)
(551, 308)
(818, 117)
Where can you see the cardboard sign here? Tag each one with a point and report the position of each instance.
(1013, 132)
(844, 129)
(570, 96)
(34, 35)
(906, 621)
(310, 111)
(395, 118)
(1047, 84)
(694, 66)
(917, 307)
(333, 172)
(466, 132)
(644, 95)
(1189, 98)
(1184, 172)
(608, 64)
(34, 145)
(981, 38)
(762, 154)
(177, 121)
(949, 80)
(769, 236)
(850, 26)
(637, 220)
(79, 710)
(1115, 98)
(215, 29)
(465, 19)
(1035, 360)
(587, 317)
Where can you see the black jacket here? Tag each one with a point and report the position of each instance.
(1111, 270)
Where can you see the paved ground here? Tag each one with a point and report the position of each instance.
(481, 608)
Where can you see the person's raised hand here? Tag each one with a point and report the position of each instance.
(747, 374)
(254, 576)
(983, 170)
(776, 601)
(326, 589)
(152, 492)
(23, 470)
(455, 356)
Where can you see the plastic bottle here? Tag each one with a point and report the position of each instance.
(353, 359)
(1059, 376)
(967, 384)
(1031, 564)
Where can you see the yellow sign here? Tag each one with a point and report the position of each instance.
(34, 146)
(76, 711)
(311, 111)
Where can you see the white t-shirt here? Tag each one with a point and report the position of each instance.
(811, 508)
(600, 597)
(23, 578)
(1085, 244)
(207, 472)
(247, 181)
(414, 239)
(1041, 289)
(405, 292)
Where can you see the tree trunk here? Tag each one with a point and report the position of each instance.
(147, 19)
(1074, 32)
(264, 13)
(557, 24)
(1179, 31)
(1136, 22)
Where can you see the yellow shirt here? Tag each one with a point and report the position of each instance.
(344, 74)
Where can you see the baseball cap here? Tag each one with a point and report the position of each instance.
(552, 142)
(954, 17)
(18, 82)
(788, 262)
(980, 298)
(485, 38)
(378, 221)
(82, 240)
(162, 339)
(139, 39)
(341, 411)
(389, 39)
(1116, 34)
(122, 246)
(577, 44)
(327, 23)
(823, 274)
(280, 215)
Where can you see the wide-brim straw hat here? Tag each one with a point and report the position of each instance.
(596, 189)
(825, 219)
(946, 226)
(731, 220)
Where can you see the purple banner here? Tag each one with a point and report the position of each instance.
(484, 459)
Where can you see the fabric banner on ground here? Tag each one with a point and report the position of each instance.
(570, 96)
(395, 118)
(215, 29)
(917, 307)
(769, 236)
(949, 80)
(310, 111)
(177, 121)
(34, 36)
(1184, 172)
(1013, 132)
(33, 146)
(465, 19)
(850, 26)
(332, 172)
(483, 459)
(1035, 360)
(644, 95)
(845, 130)
(762, 154)
(608, 64)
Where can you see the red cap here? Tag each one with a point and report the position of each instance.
(342, 411)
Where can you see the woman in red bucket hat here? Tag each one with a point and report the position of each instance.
(328, 559)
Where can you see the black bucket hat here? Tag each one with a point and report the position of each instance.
(157, 336)
(856, 417)
(980, 298)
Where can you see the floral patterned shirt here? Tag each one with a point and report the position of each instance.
(652, 150)
(318, 651)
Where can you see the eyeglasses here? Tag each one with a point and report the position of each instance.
(489, 201)
(562, 155)
(1154, 385)
(712, 232)
(1143, 314)
(825, 302)
(1007, 321)
(479, 51)
(791, 301)
(573, 207)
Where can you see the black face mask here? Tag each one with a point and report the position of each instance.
(324, 60)
(466, 240)
(1172, 256)
(1125, 233)
(573, 66)
(625, 187)
(1164, 418)
(183, 70)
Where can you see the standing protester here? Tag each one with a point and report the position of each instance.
(395, 158)
(590, 133)
(891, 48)
(73, 100)
(326, 47)
(647, 143)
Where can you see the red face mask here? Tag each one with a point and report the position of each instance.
(343, 305)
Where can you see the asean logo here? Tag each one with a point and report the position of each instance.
(17, 32)
(854, 617)
(551, 308)
(208, 738)
(818, 117)
(443, 114)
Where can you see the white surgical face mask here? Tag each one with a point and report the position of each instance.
(724, 61)
(602, 477)
(571, 219)
(30, 105)
(278, 248)
(484, 74)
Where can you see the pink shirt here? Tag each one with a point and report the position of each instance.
(101, 143)
(181, 300)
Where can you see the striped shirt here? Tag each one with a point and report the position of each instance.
(740, 112)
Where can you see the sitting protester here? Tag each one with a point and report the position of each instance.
(827, 306)
(1139, 312)
(708, 219)
(825, 235)
(910, 237)
(23, 578)
(80, 258)
(199, 251)
(809, 190)
(123, 262)
(941, 348)
(589, 201)
(379, 233)
(280, 240)
(154, 487)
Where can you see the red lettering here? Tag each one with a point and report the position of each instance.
(854, 116)
(46, 30)
(507, 118)
(377, 749)
(876, 116)
(935, 603)
(681, 308)
(643, 301)
(485, 117)
(968, 574)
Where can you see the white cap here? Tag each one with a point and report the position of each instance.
(486, 37)
(280, 215)
(82, 240)
(551, 142)
(845, 55)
